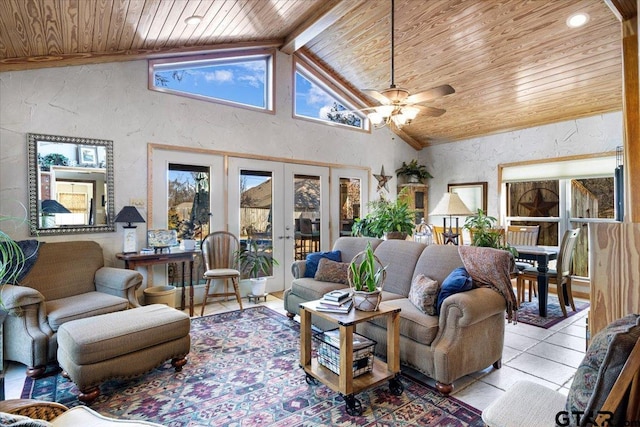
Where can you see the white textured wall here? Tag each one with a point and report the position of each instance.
(111, 101)
(477, 159)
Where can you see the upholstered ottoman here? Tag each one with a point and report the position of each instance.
(121, 345)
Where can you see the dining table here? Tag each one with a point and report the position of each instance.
(541, 255)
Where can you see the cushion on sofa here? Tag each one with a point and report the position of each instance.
(457, 281)
(414, 324)
(424, 294)
(89, 304)
(438, 261)
(607, 353)
(399, 257)
(332, 271)
(310, 289)
(314, 258)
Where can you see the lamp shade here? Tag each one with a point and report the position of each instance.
(53, 207)
(451, 205)
(129, 214)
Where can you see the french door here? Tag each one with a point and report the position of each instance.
(271, 202)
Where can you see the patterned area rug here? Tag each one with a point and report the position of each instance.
(243, 370)
(529, 312)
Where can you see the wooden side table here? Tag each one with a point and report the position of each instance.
(345, 383)
(134, 260)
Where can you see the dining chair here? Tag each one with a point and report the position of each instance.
(310, 239)
(523, 235)
(560, 276)
(219, 251)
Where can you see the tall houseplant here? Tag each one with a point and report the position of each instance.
(254, 262)
(385, 218)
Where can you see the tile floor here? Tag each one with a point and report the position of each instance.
(546, 356)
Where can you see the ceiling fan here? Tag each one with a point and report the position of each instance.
(398, 106)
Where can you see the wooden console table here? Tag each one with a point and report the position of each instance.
(134, 260)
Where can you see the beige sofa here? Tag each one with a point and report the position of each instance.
(68, 281)
(467, 336)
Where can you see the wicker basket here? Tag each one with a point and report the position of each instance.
(365, 300)
(328, 350)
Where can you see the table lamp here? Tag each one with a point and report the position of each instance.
(451, 205)
(129, 214)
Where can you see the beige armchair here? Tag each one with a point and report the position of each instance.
(68, 281)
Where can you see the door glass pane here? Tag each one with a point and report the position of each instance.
(306, 215)
(349, 204)
(536, 199)
(189, 187)
(256, 202)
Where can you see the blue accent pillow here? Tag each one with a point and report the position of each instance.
(314, 258)
(457, 281)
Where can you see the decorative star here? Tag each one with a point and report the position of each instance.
(450, 237)
(383, 180)
(538, 206)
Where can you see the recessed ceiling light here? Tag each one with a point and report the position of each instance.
(193, 20)
(577, 19)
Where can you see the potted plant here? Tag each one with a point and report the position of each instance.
(393, 220)
(485, 234)
(256, 263)
(413, 172)
(366, 276)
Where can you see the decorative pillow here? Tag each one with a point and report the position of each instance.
(607, 353)
(424, 294)
(314, 258)
(332, 271)
(457, 281)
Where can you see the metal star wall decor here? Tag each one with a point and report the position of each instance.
(383, 180)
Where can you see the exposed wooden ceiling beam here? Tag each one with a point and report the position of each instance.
(623, 9)
(327, 14)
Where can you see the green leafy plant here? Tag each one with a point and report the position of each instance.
(367, 275)
(53, 159)
(485, 234)
(254, 260)
(413, 168)
(385, 216)
(12, 257)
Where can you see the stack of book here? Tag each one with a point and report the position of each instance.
(336, 302)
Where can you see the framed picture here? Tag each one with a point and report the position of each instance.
(473, 194)
(88, 155)
(162, 238)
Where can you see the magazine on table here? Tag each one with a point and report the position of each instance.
(330, 303)
(343, 308)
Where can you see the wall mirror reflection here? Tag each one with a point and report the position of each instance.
(70, 185)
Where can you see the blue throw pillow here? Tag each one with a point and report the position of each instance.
(457, 281)
(314, 258)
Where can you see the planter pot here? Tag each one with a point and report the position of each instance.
(413, 179)
(160, 295)
(258, 286)
(399, 235)
(367, 301)
(188, 244)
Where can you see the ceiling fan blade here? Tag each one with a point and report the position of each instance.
(430, 94)
(377, 96)
(431, 111)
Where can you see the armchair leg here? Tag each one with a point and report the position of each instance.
(36, 371)
(290, 315)
(444, 389)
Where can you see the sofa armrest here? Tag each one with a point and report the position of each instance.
(468, 308)
(298, 268)
(119, 282)
(14, 297)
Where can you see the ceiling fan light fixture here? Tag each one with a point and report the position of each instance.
(376, 118)
(385, 110)
(410, 112)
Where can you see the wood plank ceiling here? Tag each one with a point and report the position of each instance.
(513, 63)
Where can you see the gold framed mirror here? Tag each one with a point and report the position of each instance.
(71, 186)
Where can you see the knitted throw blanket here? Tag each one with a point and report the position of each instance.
(492, 268)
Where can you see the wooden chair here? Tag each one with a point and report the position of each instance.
(438, 239)
(561, 276)
(219, 254)
(523, 235)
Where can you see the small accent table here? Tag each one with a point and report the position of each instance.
(344, 383)
(134, 260)
(542, 255)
